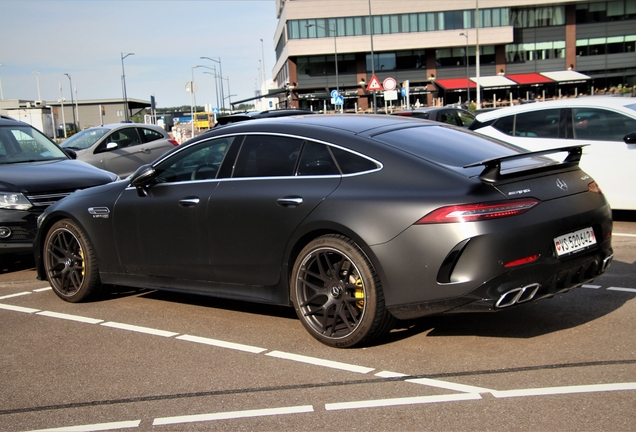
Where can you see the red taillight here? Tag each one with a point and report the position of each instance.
(521, 261)
(594, 187)
(173, 142)
(478, 212)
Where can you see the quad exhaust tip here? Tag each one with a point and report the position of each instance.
(518, 295)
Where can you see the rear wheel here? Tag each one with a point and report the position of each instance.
(70, 262)
(337, 293)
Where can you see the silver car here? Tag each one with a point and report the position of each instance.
(120, 148)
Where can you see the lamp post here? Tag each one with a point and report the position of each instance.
(37, 81)
(216, 86)
(1, 93)
(123, 84)
(70, 83)
(221, 74)
(335, 50)
(467, 73)
(263, 56)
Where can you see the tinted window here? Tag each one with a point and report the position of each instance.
(465, 118)
(505, 124)
(597, 124)
(447, 117)
(151, 135)
(123, 138)
(267, 156)
(541, 124)
(350, 163)
(316, 160)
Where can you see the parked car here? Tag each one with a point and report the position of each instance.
(34, 173)
(451, 115)
(606, 124)
(120, 147)
(355, 220)
(251, 115)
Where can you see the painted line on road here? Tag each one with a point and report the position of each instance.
(389, 374)
(222, 344)
(39, 290)
(592, 388)
(377, 403)
(17, 308)
(15, 295)
(138, 329)
(320, 362)
(449, 385)
(70, 317)
(623, 235)
(233, 415)
(95, 427)
(632, 290)
(591, 286)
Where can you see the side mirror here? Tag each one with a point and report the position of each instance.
(142, 178)
(630, 138)
(70, 153)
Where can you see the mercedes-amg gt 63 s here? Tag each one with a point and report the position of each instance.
(353, 220)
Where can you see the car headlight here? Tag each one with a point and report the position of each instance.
(14, 201)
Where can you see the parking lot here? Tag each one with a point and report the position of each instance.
(146, 360)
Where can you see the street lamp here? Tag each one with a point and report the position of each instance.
(335, 50)
(123, 83)
(37, 81)
(221, 74)
(216, 86)
(72, 100)
(467, 73)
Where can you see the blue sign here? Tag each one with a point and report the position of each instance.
(334, 93)
(338, 100)
(403, 91)
(215, 110)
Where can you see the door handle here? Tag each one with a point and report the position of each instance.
(189, 202)
(144, 150)
(289, 201)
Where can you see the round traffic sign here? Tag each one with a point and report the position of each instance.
(389, 84)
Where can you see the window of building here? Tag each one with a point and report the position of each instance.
(537, 17)
(383, 62)
(603, 11)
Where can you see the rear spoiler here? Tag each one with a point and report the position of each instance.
(492, 167)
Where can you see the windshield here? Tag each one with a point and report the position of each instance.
(23, 143)
(84, 139)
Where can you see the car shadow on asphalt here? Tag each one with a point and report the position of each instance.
(14, 263)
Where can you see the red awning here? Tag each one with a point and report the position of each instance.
(454, 84)
(529, 78)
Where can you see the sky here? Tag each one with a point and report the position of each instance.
(86, 39)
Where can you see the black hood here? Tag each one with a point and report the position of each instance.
(32, 177)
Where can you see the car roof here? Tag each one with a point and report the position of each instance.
(591, 101)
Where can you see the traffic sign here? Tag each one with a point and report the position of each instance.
(338, 100)
(215, 110)
(389, 84)
(334, 93)
(374, 84)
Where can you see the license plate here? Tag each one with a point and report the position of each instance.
(574, 241)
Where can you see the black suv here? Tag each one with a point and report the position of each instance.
(34, 173)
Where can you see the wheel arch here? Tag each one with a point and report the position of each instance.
(38, 244)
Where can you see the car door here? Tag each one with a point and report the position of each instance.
(119, 151)
(277, 181)
(164, 234)
(607, 157)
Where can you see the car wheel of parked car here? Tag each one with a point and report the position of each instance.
(70, 262)
(337, 293)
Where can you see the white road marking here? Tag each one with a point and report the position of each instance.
(233, 415)
(222, 344)
(139, 329)
(591, 286)
(592, 388)
(449, 385)
(15, 295)
(70, 317)
(95, 427)
(389, 374)
(623, 235)
(632, 290)
(320, 362)
(39, 290)
(17, 308)
(377, 403)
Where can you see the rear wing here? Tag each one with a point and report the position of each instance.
(492, 167)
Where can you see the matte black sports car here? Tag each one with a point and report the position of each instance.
(354, 220)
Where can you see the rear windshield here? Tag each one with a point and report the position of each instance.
(447, 146)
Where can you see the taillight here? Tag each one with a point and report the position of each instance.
(522, 261)
(478, 212)
(173, 142)
(594, 187)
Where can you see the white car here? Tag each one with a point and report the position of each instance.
(607, 124)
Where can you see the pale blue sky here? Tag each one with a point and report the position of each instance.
(85, 38)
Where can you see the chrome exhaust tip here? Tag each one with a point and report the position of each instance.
(518, 295)
(606, 262)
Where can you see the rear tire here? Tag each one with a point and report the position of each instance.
(337, 294)
(70, 262)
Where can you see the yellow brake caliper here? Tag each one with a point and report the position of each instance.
(359, 294)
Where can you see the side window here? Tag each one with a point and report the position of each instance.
(540, 124)
(465, 118)
(315, 159)
(150, 135)
(198, 162)
(448, 117)
(505, 125)
(597, 124)
(123, 138)
(351, 163)
(267, 156)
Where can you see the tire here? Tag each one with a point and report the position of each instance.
(337, 294)
(70, 262)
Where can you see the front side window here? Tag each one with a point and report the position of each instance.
(123, 138)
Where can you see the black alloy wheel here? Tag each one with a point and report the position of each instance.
(70, 263)
(337, 294)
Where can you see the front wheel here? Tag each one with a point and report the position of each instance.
(70, 262)
(337, 293)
